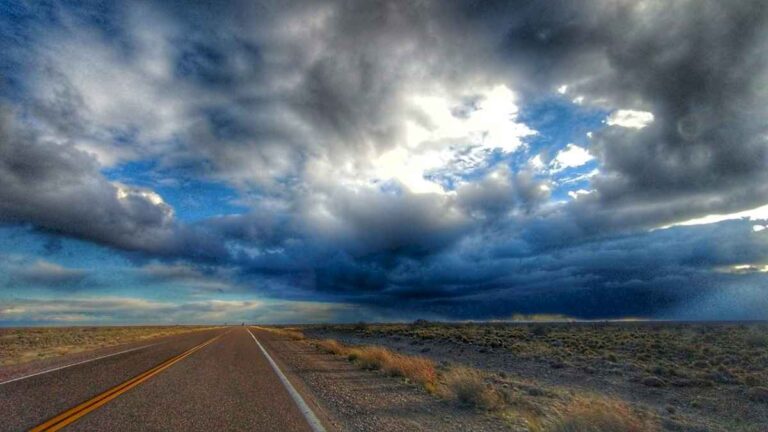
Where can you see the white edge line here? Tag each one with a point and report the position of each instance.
(312, 419)
(77, 363)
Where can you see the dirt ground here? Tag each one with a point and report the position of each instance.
(351, 399)
(695, 377)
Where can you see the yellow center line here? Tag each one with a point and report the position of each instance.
(73, 414)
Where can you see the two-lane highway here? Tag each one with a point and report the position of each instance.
(211, 380)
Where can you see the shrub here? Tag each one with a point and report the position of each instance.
(417, 369)
(539, 330)
(353, 354)
(595, 415)
(373, 358)
(291, 333)
(331, 346)
(757, 339)
(468, 386)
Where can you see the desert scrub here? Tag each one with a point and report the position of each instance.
(331, 346)
(598, 415)
(416, 369)
(468, 386)
(519, 402)
(288, 332)
(632, 348)
(757, 339)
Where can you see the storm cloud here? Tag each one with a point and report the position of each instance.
(399, 156)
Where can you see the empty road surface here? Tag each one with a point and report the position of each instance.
(201, 381)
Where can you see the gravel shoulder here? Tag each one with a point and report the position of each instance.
(347, 398)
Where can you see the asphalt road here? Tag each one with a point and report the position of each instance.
(202, 381)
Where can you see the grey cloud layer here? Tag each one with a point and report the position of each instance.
(701, 68)
(289, 103)
(58, 187)
(42, 273)
(118, 310)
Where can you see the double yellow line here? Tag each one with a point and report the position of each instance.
(73, 414)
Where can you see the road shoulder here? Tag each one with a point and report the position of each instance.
(349, 399)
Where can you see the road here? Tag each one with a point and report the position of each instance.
(201, 381)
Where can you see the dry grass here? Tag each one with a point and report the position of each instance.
(416, 369)
(332, 346)
(288, 332)
(469, 387)
(373, 358)
(465, 384)
(550, 410)
(21, 345)
(599, 415)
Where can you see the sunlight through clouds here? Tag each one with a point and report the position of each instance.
(457, 159)
(452, 135)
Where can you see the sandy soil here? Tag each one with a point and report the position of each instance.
(722, 402)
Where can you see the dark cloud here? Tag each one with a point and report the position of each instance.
(501, 192)
(647, 275)
(698, 67)
(309, 111)
(59, 188)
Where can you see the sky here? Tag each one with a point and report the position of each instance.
(342, 161)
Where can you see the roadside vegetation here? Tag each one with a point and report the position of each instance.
(524, 405)
(419, 370)
(21, 345)
(658, 375)
(288, 332)
(651, 354)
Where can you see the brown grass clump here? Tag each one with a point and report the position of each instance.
(469, 387)
(374, 358)
(416, 369)
(290, 333)
(600, 415)
(332, 346)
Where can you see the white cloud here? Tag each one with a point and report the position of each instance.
(758, 213)
(575, 194)
(630, 119)
(571, 156)
(537, 163)
(113, 92)
(448, 136)
(124, 192)
(744, 268)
